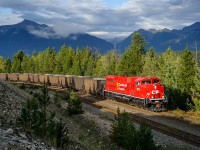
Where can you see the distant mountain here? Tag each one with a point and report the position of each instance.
(162, 39)
(29, 36)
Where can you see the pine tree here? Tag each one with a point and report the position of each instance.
(151, 65)
(186, 74)
(16, 63)
(74, 104)
(90, 66)
(76, 68)
(84, 55)
(100, 69)
(25, 64)
(68, 61)
(61, 60)
(111, 63)
(144, 139)
(39, 63)
(8, 65)
(168, 64)
(49, 60)
(132, 59)
(3, 64)
(123, 131)
(196, 90)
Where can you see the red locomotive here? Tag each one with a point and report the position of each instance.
(142, 91)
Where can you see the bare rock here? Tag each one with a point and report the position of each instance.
(9, 131)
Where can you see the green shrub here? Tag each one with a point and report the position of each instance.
(144, 138)
(74, 104)
(196, 106)
(35, 117)
(124, 134)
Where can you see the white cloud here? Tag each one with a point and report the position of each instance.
(93, 16)
(65, 29)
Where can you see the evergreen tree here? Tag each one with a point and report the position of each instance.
(31, 65)
(25, 64)
(39, 63)
(123, 131)
(186, 74)
(168, 64)
(16, 67)
(68, 61)
(132, 59)
(35, 117)
(151, 66)
(49, 60)
(124, 134)
(3, 64)
(144, 139)
(8, 65)
(76, 68)
(16, 63)
(196, 90)
(44, 100)
(90, 66)
(111, 63)
(74, 104)
(100, 69)
(61, 60)
(85, 54)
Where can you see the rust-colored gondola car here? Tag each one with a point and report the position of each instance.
(36, 78)
(13, 77)
(70, 81)
(53, 80)
(31, 77)
(3, 76)
(24, 77)
(62, 81)
(44, 78)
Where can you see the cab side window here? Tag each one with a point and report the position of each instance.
(137, 83)
(146, 82)
(155, 81)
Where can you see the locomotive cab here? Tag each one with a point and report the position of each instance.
(152, 91)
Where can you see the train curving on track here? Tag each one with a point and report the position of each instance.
(141, 91)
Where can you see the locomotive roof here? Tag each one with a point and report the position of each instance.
(136, 78)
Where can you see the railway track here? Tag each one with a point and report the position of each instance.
(168, 130)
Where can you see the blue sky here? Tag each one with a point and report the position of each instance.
(114, 3)
(102, 18)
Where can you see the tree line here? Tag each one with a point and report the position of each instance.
(179, 72)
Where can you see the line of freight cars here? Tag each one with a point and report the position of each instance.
(79, 83)
(140, 91)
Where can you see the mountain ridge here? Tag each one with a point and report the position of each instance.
(162, 39)
(29, 36)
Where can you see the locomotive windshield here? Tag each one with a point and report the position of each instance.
(146, 82)
(155, 81)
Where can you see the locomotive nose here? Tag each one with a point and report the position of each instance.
(155, 94)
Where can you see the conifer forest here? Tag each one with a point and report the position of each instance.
(179, 70)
